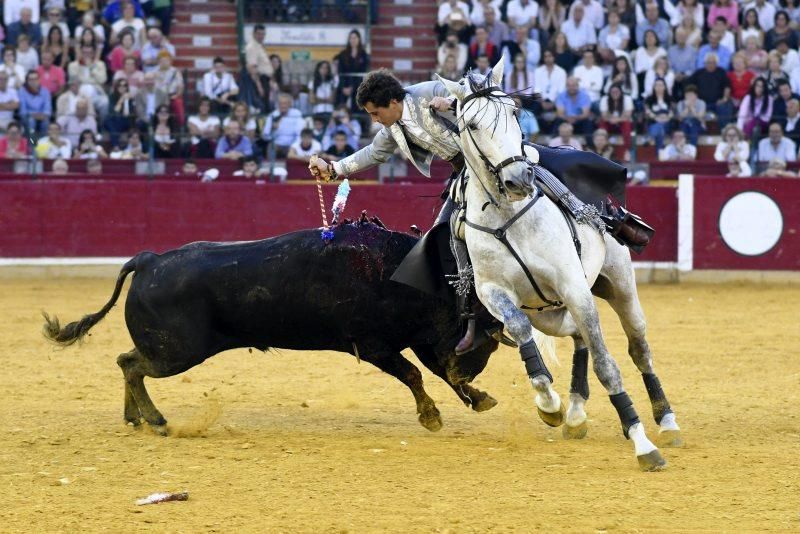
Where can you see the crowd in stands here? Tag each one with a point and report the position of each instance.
(664, 70)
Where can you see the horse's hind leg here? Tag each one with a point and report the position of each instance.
(134, 367)
(625, 303)
(548, 403)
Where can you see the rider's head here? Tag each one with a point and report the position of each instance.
(381, 95)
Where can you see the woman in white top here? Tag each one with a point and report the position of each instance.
(732, 147)
(519, 79)
(750, 27)
(691, 9)
(645, 57)
(241, 113)
(662, 70)
(615, 36)
(205, 129)
(694, 33)
(322, 88)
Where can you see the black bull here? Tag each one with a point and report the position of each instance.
(292, 292)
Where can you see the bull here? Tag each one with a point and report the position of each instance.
(294, 292)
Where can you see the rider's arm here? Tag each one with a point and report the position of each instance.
(377, 152)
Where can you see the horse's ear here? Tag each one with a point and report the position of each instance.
(497, 71)
(454, 88)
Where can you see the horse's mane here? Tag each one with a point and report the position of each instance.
(478, 82)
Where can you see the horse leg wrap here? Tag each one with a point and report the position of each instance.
(657, 398)
(627, 413)
(580, 381)
(534, 365)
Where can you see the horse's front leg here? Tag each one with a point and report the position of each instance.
(500, 304)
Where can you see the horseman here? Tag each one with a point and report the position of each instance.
(419, 120)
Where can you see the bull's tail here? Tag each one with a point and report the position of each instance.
(75, 331)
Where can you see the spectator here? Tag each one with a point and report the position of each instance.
(614, 36)
(726, 39)
(765, 13)
(305, 147)
(60, 167)
(781, 30)
(527, 121)
(352, 60)
(68, 100)
(659, 113)
(170, 80)
(790, 59)
(519, 79)
(777, 169)
(205, 130)
(341, 121)
(449, 70)
(656, 24)
(498, 30)
(601, 144)
(87, 147)
(724, 8)
(130, 23)
(130, 73)
(739, 169)
(714, 88)
(722, 54)
(16, 74)
(678, 149)
(590, 76)
(453, 15)
(148, 100)
(283, 126)
(521, 13)
(124, 49)
(122, 112)
(322, 88)
(646, 55)
(694, 33)
(13, 145)
(92, 74)
(791, 125)
(732, 147)
(279, 84)
(479, 9)
(565, 57)
(776, 145)
(220, 87)
(628, 12)
(156, 42)
(241, 113)
(579, 31)
(24, 26)
(189, 168)
(72, 125)
(565, 137)
(54, 14)
(9, 101)
(452, 46)
(751, 28)
(775, 73)
(339, 148)
(53, 145)
(740, 78)
(115, 8)
(163, 11)
(88, 38)
(780, 102)
(94, 167)
(593, 12)
(482, 65)
(250, 169)
(792, 9)
(660, 70)
(483, 46)
(57, 46)
(691, 114)
(756, 56)
(616, 115)
(621, 74)
(233, 145)
(88, 23)
(255, 54)
(134, 149)
(691, 9)
(681, 56)
(165, 134)
(254, 89)
(573, 106)
(552, 15)
(35, 105)
(27, 57)
(550, 80)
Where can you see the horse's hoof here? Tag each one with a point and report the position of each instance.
(431, 420)
(652, 461)
(553, 419)
(161, 430)
(486, 402)
(670, 439)
(575, 432)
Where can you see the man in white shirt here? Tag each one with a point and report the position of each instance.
(790, 59)
(766, 13)
(9, 101)
(13, 8)
(550, 79)
(452, 46)
(565, 137)
(593, 11)
(678, 149)
(479, 10)
(579, 31)
(255, 53)
(283, 126)
(590, 76)
(776, 146)
(305, 147)
(220, 87)
(522, 13)
(53, 146)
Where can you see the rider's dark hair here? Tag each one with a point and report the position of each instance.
(380, 87)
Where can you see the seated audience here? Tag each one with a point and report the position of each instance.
(122, 111)
(124, 49)
(220, 87)
(170, 80)
(590, 76)
(60, 167)
(148, 99)
(233, 145)
(35, 105)
(601, 144)
(732, 147)
(781, 100)
(658, 111)
(24, 26)
(305, 147)
(622, 74)
(777, 169)
(13, 144)
(756, 108)
(523, 44)
(678, 149)
(739, 169)
(574, 105)
(156, 43)
(94, 167)
(482, 46)
(791, 124)
(322, 88)
(518, 79)
(282, 127)
(241, 113)
(691, 113)
(740, 78)
(9, 101)
(713, 87)
(73, 124)
(87, 147)
(250, 169)
(53, 145)
(616, 115)
(776, 145)
(16, 73)
(165, 134)
(131, 73)
(579, 31)
(27, 57)
(453, 47)
(339, 149)
(51, 76)
(341, 121)
(565, 137)
(205, 130)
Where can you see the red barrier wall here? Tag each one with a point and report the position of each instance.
(122, 217)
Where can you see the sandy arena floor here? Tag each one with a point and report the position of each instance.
(315, 442)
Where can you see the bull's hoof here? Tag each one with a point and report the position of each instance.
(553, 419)
(652, 461)
(575, 432)
(670, 439)
(484, 403)
(431, 420)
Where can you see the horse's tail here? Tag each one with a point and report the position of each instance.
(75, 331)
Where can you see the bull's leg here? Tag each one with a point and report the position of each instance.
(133, 367)
(499, 303)
(395, 364)
(132, 414)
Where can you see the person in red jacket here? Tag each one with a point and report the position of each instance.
(482, 46)
(13, 145)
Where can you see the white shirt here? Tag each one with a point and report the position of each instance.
(593, 12)
(45, 28)
(214, 86)
(643, 61)
(138, 27)
(326, 90)
(315, 148)
(16, 76)
(98, 29)
(741, 151)
(614, 40)
(766, 14)
(591, 80)
(786, 150)
(12, 8)
(728, 41)
(28, 60)
(794, 80)
(579, 35)
(203, 125)
(46, 149)
(550, 83)
(698, 14)
(790, 61)
(478, 18)
(517, 14)
(445, 9)
(9, 95)
(650, 79)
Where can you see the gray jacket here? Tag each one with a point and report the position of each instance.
(429, 135)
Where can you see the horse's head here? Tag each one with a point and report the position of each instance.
(491, 136)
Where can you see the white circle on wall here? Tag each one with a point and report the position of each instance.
(750, 223)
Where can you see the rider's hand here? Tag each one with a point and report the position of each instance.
(440, 103)
(319, 167)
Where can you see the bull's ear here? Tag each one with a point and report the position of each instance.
(454, 88)
(497, 71)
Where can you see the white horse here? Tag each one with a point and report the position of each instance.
(527, 271)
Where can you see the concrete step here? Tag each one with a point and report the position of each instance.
(421, 9)
(183, 41)
(402, 31)
(202, 17)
